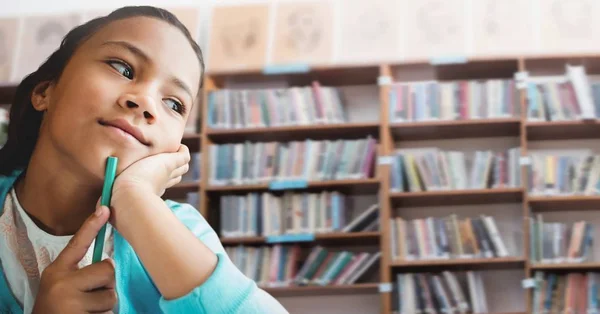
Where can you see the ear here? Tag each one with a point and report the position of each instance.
(40, 97)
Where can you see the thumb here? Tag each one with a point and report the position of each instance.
(83, 239)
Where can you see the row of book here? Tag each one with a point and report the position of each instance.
(251, 108)
(265, 214)
(565, 173)
(309, 160)
(571, 96)
(559, 242)
(277, 266)
(550, 98)
(432, 169)
(193, 173)
(571, 293)
(446, 238)
(453, 100)
(445, 292)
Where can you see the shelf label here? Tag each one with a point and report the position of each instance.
(524, 161)
(385, 160)
(521, 78)
(384, 80)
(449, 59)
(521, 75)
(528, 283)
(288, 184)
(588, 116)
(385, 287)
(286, 68)
(284, 238)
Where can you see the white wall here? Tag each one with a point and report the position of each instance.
(28, 7)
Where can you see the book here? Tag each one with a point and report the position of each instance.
(433, 169)
(282, 266)
(297, 161)
(267, 214)
(445, 292)
(446, 238)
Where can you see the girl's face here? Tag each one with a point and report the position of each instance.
(126, 92)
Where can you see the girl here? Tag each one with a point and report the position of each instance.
(120, 85)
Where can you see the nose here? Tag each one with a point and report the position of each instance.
(143, 105)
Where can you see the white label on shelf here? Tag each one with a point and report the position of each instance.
(384, 80)
(521, 79)
(524, 161)
(385, 160)
(385, 287)
(588, 116)
(528, 283)
(521, 75)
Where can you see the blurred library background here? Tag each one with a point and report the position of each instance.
(381, 156)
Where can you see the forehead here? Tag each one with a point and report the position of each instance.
(166, 46)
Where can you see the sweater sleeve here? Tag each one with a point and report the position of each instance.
(227, 290)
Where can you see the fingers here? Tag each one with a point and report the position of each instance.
(173, 182)
(83, 239)
(100, 301)
(180, 171)
(179, 158)
(96, 276)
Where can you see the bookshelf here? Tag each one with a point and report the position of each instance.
(388, 135)
(354, 238)
(462, 264)
(361, 288)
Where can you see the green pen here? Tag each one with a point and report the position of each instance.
(109, 179)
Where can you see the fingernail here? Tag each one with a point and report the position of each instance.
(99, 211)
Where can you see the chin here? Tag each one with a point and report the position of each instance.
(94, 160)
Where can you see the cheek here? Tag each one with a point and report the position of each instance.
(169, 140)
(85, 95)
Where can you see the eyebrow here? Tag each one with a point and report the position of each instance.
(133, 49)
(142, 55)
(179, 83)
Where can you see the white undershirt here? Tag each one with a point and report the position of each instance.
(26, 250)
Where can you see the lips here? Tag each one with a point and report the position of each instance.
(126, 127)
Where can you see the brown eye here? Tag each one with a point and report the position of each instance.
(175, 105)
(122, 68)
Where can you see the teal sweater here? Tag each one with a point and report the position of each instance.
(226, 291)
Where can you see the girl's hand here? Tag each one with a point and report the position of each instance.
(155, 173)
(64, 288)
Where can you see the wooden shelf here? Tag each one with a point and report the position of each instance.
(360, 288)
(294, 133)
(457, 197)
(192, 140)
(353, 238)
(460, 264)
(567, 266)
(180, 190)
(413, 131)
(7, 93)
(564, 203)
(339, 75)
(487, 313)
(476, 67)
(366, 186)
(395, 312)
(563, 130)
